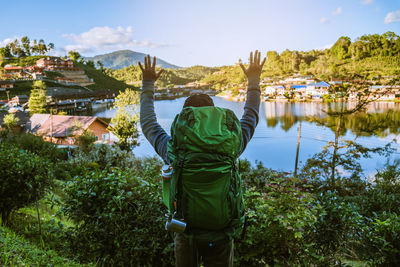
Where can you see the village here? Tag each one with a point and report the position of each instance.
(61, 129)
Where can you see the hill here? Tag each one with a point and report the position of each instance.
(125, 58)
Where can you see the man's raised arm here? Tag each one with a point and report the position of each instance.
(249, 119)
(153, 132)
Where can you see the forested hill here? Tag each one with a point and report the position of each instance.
(369, 55)
(125, 58)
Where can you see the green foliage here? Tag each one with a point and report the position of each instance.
(16, 251)
(26, 48)
(382, 240)
(10, 121)
(84, 137)
(102, 80)
(119, 218)
(124, 123)
(74, 55)
(338, 223)
(279, 217)
(24, 178)
(36, 145)
(37, 100)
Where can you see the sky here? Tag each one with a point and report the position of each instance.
(190, 32)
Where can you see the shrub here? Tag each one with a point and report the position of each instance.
(278, 217)
(38, 146)
(119, 219)
(24, 178)
(382, 240)
(338, 226)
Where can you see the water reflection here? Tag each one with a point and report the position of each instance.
(380, 119)
(275, 138)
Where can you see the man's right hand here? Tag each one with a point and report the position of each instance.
(255, 67)
(149, 70)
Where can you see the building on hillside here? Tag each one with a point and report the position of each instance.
(56, 63)
(27, 72)
(299, 90)
(317, 89)
(19, 100)
(4, 85)
(64, 80)
(63, 130)
(274, 90)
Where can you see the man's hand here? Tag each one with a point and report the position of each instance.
(254, 69)
(149, 70)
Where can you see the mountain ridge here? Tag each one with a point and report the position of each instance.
(124, 58)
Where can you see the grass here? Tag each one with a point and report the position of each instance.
(17, 251)
(22, 245)
(102, 81)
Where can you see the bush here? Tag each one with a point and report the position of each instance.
(38, 146)
(279, 216)
(382, 240)
(24, 178)
(119, 219)
(338, 226)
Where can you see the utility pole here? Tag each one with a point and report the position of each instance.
(297, 151)
(51, 125)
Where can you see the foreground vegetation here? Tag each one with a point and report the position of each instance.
(103, 206)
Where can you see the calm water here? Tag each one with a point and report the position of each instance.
(275, 139)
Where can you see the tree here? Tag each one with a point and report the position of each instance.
(26, 45)
(37, 101)
(101, 65)
(341, 48)
(74, 55)
(124, 124)
(90, 63)
(330, 159)
(24, 178)
(10, 121)
(41, 47)
(84, 137)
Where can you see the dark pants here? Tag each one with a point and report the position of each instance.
(218, 254)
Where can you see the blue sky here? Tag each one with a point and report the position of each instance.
(189, 32)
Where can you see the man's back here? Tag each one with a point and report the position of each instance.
(193, 151)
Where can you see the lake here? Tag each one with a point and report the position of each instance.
(275, 139)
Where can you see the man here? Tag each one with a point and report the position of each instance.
(188, 252)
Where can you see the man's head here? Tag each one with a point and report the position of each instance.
(198, 100)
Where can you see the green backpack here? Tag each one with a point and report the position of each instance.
(205, 186)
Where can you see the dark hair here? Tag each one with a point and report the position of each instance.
(198, 100)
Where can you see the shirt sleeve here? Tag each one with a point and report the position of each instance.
(151, 129)
(250, 117)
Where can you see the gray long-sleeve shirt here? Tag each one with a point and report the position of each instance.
(157, 136)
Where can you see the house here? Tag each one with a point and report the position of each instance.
(55, 63)
(34, 72)
(63, 130)
(64, 80)
(317, 89)
(4, 85)
(19, 99)
(274, 90)
(9, 69)
(299, 90)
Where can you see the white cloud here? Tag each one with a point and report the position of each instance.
(7, 41)
(338, 11)
(367, 2)
(105, 38)
(323, 20)
(392, 17)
